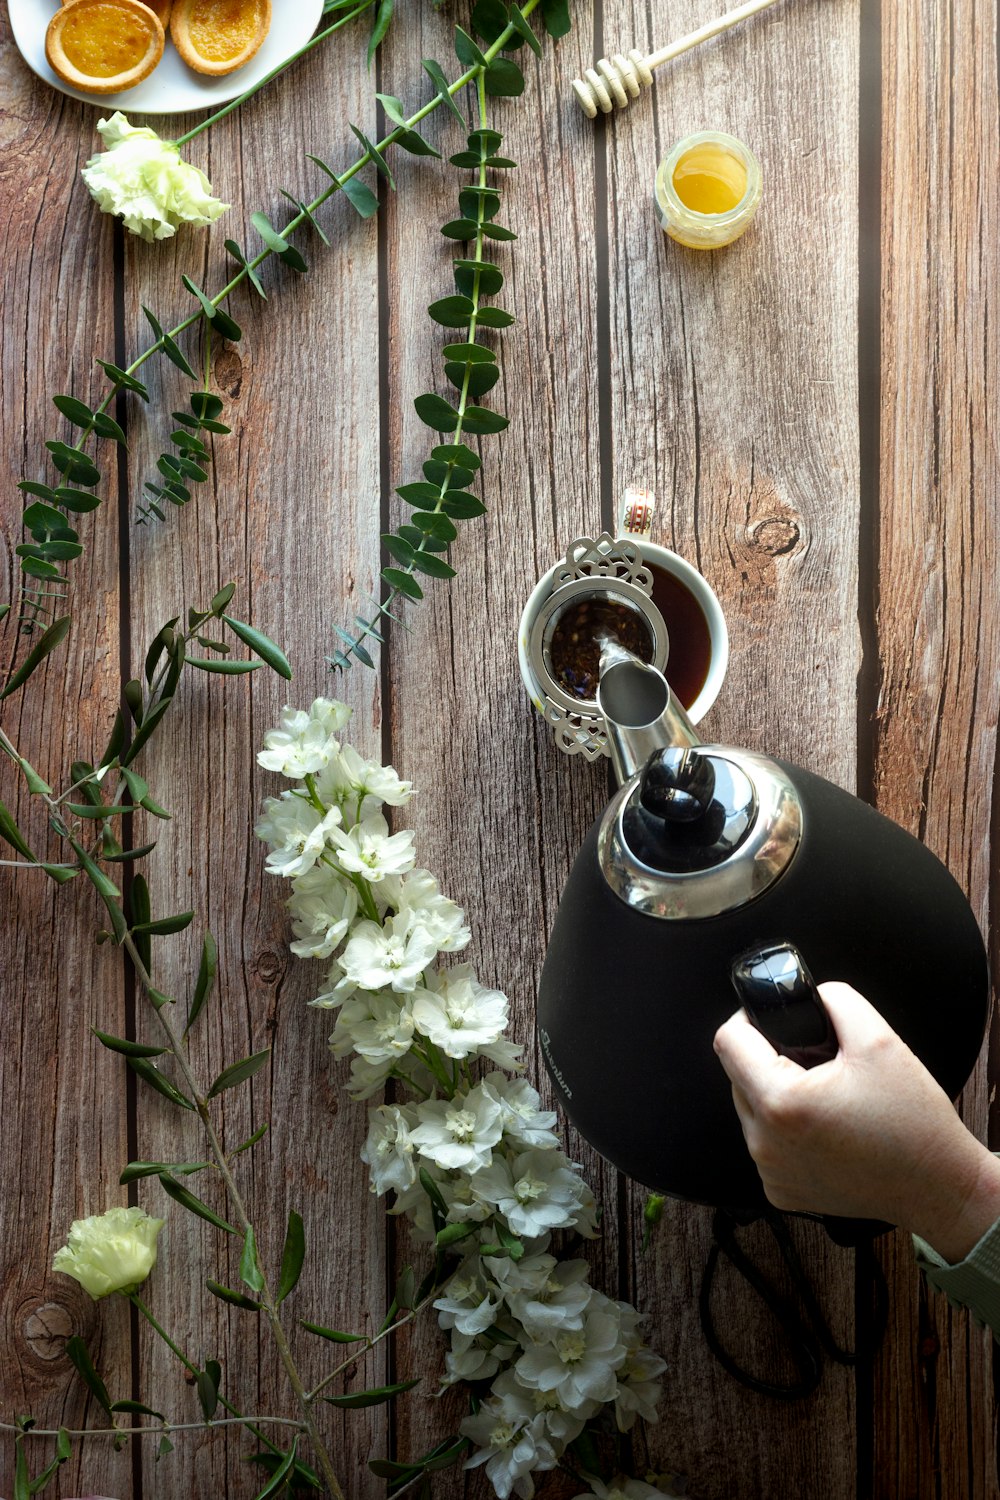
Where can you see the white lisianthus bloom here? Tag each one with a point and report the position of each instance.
(523, 1120)
(323, 905)
(463, 1207)
(639, 1390)
(505, 1054)
(561, 1425)
(366, 778)
(468, 1303)
(299, 747)
(621, 1488)
(370, 850)
(558, 1304)
(535, 1191)
(296, 831)
(419, 893)
(457, 1013)
(148, 182)
(579, 1364)
(336, 991)
(379, 956)
(330, 714)
(510, 1443)
(367, 1077)
(460, 1132)
(110, 1252)
(388, 1151)
(376, 1027)
(467, 1360)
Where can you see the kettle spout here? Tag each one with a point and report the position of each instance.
(641, 712)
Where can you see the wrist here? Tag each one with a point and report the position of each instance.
(954, 1219)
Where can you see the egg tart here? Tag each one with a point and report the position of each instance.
(218, 36)
(161, 9)
(104, 46)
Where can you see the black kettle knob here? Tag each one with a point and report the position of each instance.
(692, 809)
(678, 784)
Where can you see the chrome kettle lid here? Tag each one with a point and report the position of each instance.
(695, 830)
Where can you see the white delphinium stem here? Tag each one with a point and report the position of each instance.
(471, 1157)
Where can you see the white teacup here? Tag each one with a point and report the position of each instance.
(705, 599)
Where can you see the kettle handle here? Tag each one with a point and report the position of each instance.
(780, 997)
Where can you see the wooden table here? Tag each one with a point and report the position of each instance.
(810, 408)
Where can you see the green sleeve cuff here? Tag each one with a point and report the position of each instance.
(974, 1282)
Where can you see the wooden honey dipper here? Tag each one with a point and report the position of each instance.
(618, 79)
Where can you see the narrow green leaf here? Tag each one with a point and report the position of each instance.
(136, 1407)
(150, 1073)
(380, 25)
(129, 1049)
(523, 29)
(145, 730)
(262, 646)
(208, 1394)
(80, 1357)
(13, 835)
(281, 1475)
(64, 1447)
(238, 1072)
(227, 327)
(440, 82)
(224, 595)
(306, 211)
(46, 643)
(292, 1256)
(252, 276)
(127, 855)
(207, 970)
(226, 668)
(226, 1294)
(374, 154)
(251, 1140)
(122, 378)
(22, 1483)
(467, 52)
(354, 645)
(36, 786)
(333, 1334)
(164, 926)
(137, 1169)
(107, 427)
(277, 243)
(99, 809)
(179, 1194)
(376, 1396)
(451, 1234)
(207, 307)
(360, 196)
(250, 1271)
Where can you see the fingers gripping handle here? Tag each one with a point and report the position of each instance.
(780, 996)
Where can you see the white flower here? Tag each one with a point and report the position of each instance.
(375, 1026)
(147, 182)
(353, 776)
(561, 1424)
(505, 1054)
(467, 1360)
(300, 746)
(467, 1302)
(296, 831)
(377, 956)
(110, 1252)
(457, 1013)
(579, 1364)
(370, 850)
(323, 905)
(388, 1150)
(622, 1488)
(419, 893)
(535, 1191)
(510, 1445)
(638, 1388)
(558, 1304)
(459, 1132)
(368, 1077)
(523, 1121)
(462, 1206)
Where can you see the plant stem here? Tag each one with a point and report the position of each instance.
(320, 36)
(369, 1344)
(116, 1432)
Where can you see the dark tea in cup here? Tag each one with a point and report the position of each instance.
(687, 630)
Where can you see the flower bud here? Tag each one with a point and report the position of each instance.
(110, 1252)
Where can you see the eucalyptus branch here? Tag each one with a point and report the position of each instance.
(53, 540)
(393, 1327)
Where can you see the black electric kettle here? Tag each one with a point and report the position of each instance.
(708, 876)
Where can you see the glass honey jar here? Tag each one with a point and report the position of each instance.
(707, 190)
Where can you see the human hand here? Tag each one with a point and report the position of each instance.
(869, 1134)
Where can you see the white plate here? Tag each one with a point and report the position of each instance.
(172, 88)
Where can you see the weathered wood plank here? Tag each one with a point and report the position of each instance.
(501, 812)
(63, 1146)
(290, 515)
(734, 398)
(938, 636)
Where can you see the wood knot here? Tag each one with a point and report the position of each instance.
(268, 966)
(229, 371)
(776, 536)
(46, 1329)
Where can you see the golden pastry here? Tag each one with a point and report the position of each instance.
(104, 46)
(216, 36)
(160, 7)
